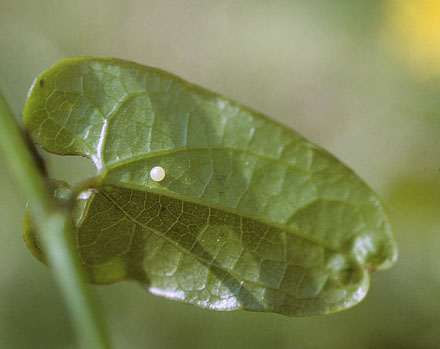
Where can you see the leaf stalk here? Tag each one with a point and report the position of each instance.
(55, 227)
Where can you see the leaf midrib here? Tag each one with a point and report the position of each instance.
(161, 192)
(120, 163)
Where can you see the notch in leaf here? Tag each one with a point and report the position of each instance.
(249, 216)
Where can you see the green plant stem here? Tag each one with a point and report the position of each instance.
(55, 226)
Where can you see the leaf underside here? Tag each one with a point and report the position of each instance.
(249, 216)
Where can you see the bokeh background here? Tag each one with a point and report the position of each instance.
(360, 78)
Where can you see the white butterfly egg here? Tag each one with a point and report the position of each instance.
(157, 174)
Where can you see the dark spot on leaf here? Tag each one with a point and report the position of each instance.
(41, 83)
(221, 179)
(370, 269)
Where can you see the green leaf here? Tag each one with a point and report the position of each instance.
(249, 216)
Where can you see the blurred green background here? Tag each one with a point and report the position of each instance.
(357, 77)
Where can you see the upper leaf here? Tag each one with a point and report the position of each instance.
(250, 214)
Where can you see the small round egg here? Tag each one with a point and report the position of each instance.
(157, 174)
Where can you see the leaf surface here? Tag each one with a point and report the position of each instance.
(250, 214)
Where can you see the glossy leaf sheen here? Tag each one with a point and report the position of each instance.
(249, 216)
